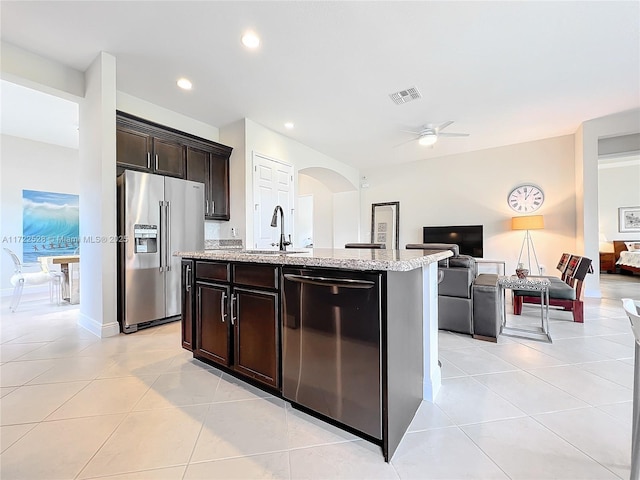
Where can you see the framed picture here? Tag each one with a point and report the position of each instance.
(381, 238)
(385, 222)
(629, 219)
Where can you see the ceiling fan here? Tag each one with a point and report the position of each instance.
(429, 133)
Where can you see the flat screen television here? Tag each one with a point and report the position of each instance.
(467, 237)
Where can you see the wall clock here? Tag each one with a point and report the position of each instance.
(525, 198)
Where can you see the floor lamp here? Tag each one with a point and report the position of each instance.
(529, 222)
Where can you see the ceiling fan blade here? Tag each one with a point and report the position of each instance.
(447, 134)
(411, 131)
(441, 127)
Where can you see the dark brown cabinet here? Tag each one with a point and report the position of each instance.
(607, 262)
(212, 323)
(153, 148)
(187, 304)
(140, 150)
(236, 318)
(212, 170)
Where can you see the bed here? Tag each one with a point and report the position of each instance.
(625, 259)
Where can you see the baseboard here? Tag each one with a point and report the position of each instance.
(101, 330)
(431, 386)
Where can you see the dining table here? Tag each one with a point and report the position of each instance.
(70, 268)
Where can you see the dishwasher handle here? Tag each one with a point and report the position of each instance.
(329, 282)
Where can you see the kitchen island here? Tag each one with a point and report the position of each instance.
(347, 335)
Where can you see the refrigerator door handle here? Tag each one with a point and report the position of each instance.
(162, 233)
(167, 261)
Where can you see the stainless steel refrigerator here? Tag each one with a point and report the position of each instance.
(158, 216)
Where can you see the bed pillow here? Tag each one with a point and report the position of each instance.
(633, 246)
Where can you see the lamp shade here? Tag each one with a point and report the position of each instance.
(528, 222)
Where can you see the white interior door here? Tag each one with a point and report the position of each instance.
(272, 185)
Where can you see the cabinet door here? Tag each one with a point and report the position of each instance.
(187, 304)
(212, 323)
(219, 167)
(133, 149)
(255, 334)
(198, 171)
(168, 157)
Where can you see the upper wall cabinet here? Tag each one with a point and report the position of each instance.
(211, 169)
(147, 146)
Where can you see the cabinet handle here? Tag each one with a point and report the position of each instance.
(223, 315)
(148, 160)
(233, 300)
(213, 207)
(206, 207)
(156, 161)
(188, 278)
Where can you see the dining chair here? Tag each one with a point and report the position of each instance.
(20, 278)
(632, 308)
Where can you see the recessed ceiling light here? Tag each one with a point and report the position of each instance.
(289, 125)
(250, 40)
(184, 83)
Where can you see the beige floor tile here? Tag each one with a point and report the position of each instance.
(63, 347)
(445, 453)
(523, 448)
(10, 351)
(190, 387)
(33, 403)
(522, 356)
(139, 363)
(465, 400)
(17, 373)
(593, 432)
(105, 396)
(57, 450)
(246, 427)
(429, 416)
(169, 473)
(303, 430)
(73, 369)
(6, 390)
(584, 385)
(612, 370)
(351, 460)
(231, 389)
(148, 440)
(473, 361)
(9, 434)
(449, 370)
(257, 467)
(528, 393)
(620, 411)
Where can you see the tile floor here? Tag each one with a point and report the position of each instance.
(139, 407)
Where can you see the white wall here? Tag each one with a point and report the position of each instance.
(322, 210)
(618, 186)
(472, 188)
(247, 137)
(29, 165)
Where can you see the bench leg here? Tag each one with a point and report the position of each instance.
(578, 311)
(517, 304)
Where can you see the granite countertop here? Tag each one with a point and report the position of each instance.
(351, 259)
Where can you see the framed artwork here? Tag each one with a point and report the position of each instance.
(629, 219)
(50, 224)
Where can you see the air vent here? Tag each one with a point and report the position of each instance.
(404, 96)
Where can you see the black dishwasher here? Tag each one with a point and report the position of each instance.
(331, 359)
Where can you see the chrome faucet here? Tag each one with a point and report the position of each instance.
(282, 246)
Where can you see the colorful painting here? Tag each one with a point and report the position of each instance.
(50, 224)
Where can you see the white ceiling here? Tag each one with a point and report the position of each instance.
(505, 72)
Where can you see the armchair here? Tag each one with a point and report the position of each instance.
(467, 302)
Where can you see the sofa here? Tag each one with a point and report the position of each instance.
(467, 302)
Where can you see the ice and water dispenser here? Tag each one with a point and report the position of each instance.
(146, 238)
